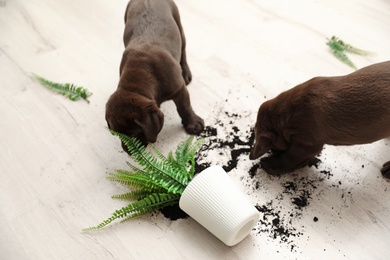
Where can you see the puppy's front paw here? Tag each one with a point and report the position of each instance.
(273, 165)
(194, 126)
(386, 170)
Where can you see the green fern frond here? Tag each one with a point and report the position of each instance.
(161, 172)
(340, 50)
(193, 149)
(344, 58)
(154, 180)
(135, 194)
(357, 51)
(336, 44)
(185, 156)
(342, 46)
(182, 152)
(136, 170)
(134, 180)
(158, 183)
(69, 90)
(153, 203)
(147, 205)
(159, 154)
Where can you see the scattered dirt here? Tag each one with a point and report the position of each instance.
(282, 201)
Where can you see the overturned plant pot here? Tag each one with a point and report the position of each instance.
(215, 202)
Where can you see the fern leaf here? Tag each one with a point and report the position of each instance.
(172, 159)
(336, 44)
(69, 90)
(340, 50)
(182, 153)
(137, 208)
(349, 48)
(193, 149)
(344, 58)
(136, 169)
(159, 154)
(158, 184)
(345, 47)
(185, 156)
(154, 181)
(134, 180)
(135, 194)
(157, 201)
(161, 172)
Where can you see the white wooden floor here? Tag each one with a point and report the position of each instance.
(55, 153)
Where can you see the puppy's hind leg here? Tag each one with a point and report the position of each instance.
(192, 123)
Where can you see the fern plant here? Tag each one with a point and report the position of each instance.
(340, 50)
(157, 182)
(69, 90)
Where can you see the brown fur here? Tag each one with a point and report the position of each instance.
(153, 69)
(345, 110)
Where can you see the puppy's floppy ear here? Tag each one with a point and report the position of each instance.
(261, 146)
(152, 122)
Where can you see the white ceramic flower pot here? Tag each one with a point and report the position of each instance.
(215, 202)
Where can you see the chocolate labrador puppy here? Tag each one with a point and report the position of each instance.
(153, 69)
(345, 110)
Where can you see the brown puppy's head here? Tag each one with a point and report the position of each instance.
(267, 135)
(134, 115)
